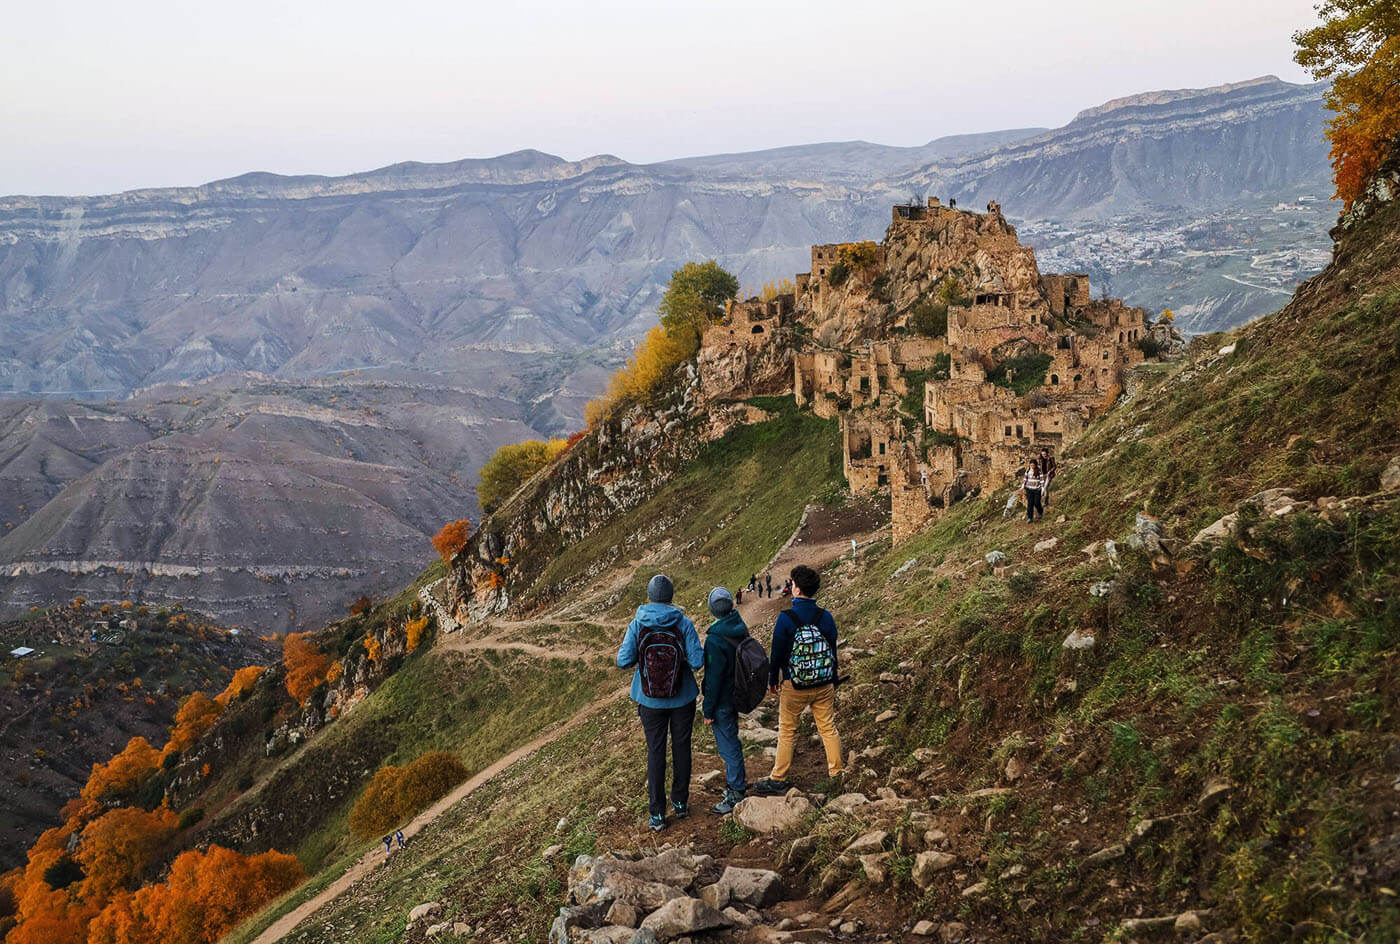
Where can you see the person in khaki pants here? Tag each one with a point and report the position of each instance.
(802, 673)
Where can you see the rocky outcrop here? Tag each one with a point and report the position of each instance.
(617, 465)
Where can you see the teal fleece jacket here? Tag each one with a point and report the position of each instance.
(721, 639)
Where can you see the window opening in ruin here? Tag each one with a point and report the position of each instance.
(1020, 432)
(1054, 380)
(1008, 431)
(757, 329)
(1078, 378)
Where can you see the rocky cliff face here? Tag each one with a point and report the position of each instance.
(615, 467)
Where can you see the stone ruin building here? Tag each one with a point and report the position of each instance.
(848, 352)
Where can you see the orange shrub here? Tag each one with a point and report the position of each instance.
(373, 649)
(452, 538)
(396, 794)
(205, 895)
(242, 682)
(334, 673)
(306, 666)
(118, 846)
(414, 631)
(197, 714)
(123, 773)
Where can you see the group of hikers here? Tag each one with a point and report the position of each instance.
(761, 586)
(1035, 483)
(664, 649)
(390, 840)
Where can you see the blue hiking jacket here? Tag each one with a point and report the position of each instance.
(807, 613)
(662, 614)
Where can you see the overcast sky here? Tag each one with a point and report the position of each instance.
(97, 96)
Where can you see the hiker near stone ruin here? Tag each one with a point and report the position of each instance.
(398, 838)
(388, 845)
(736, 679)
(664, 650)
(1032, 483)
(802, 673)
(1047, 473)
(769, 579)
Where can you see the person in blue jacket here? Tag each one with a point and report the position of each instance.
(673, 714)
(718, 708)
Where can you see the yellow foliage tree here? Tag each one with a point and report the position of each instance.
(510, 466)
(414, 630)
(396, 794)
(1357, 48)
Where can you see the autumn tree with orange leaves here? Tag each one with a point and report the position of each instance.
(205, 895)
(452, 538)
(196, 715)
(124, 773)
(242, 682)
(306, 666)
(1357, 48)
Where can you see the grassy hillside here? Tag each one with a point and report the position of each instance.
(1226, 745)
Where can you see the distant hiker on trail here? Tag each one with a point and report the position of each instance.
(753, 582)
(769, 578)
(1033, 482)
(736, 679)
(802, 673)
(739, 595)
(398, 837)
(665, 650)
(787, 588)
(1047, 472)
(388, 846)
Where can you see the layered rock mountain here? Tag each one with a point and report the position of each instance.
(478, 302)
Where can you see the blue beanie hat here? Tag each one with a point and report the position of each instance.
(660, 589)
(721, 602)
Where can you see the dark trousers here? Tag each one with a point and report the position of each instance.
(656, 722)
(1033, 506)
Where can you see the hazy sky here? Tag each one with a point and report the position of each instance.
(97, 96)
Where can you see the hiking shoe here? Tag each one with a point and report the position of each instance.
(726, 806)
(658, 822)
(680, 810)
(770, 787)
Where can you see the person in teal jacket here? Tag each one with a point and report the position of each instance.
(662, 716)
(719, 710)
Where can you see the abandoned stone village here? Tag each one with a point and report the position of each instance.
(944, 352)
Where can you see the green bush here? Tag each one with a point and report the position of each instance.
(929, 318)
(837, 274)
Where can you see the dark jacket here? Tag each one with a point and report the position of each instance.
(721, 639)
(807, 613)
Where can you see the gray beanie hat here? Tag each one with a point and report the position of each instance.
(660, 589)
(721, 602)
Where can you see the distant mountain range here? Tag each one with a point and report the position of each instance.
(453, 307)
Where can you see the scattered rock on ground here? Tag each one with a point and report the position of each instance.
(1078, 639)
(772, 814)
(870, 842)
(928, 864)
(683, 916)
(429, 909)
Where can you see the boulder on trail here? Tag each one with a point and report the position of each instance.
(429, 909)
(683, 916)
(927, 865)
(846, 803)
(758, 888)
(871, 842)
(645, 883)
(772, 814)
(574, 922)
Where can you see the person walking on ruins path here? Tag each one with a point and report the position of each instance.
(663, 649)
(398, 838)
(1047, 473)
(769, 579)
(388, 845)
(1033, 482)
(753, 582)
(802, 673)
(724, 642)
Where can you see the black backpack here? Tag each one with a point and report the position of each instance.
(661, 660)
(750, 673)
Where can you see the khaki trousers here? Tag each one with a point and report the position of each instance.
(822, 701)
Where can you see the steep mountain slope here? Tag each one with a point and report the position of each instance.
(77, 700)
(1191, 727)
(269, 505)
(1186, 148)
(426, 265)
